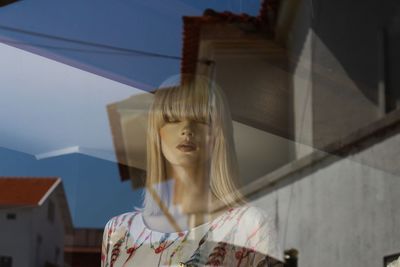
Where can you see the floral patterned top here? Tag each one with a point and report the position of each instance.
(239, 237)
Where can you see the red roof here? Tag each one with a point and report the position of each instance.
(192, 26)
(26, 191)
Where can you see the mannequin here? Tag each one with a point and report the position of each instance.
(192, 205)
(204, 134)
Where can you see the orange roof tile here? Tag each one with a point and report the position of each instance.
(26, 191)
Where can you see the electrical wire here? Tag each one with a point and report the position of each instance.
(115, 49)
(66, 48)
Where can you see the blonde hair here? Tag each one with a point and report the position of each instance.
(199, 100)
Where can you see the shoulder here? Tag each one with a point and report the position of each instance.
(120, 223)
(256, 229)
(258, 225)
(250, 216)
(121, 219)
(243, 223)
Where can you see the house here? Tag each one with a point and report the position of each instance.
(334, 199)
(34, 217)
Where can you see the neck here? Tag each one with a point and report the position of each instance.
(191, 188)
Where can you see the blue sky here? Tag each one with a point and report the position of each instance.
(151, 25)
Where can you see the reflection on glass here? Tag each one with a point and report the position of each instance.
(193, 213)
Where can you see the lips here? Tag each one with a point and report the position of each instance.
(186, 146)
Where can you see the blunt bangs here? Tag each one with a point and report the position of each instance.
(177, 104)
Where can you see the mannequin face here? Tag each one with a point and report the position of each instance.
(186, 143)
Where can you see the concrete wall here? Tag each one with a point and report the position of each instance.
(340, 212)
(337, 50)
(15, 236)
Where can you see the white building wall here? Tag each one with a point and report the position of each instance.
(15, 237)
(52, 234)
(341, 214)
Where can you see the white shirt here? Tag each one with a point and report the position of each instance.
(241, 236)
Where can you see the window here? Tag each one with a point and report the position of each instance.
(392, 65)
(5, 261)
(51, 211)
(11, 216)
(48, 264)
(57, 254)
(39, 239)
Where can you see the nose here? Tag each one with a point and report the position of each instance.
(187, 129)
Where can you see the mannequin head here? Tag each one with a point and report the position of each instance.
(190, 126)
(186, 141)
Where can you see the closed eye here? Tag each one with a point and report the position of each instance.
(171, 120)
(204, 121)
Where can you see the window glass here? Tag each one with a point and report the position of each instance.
(199, 133)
